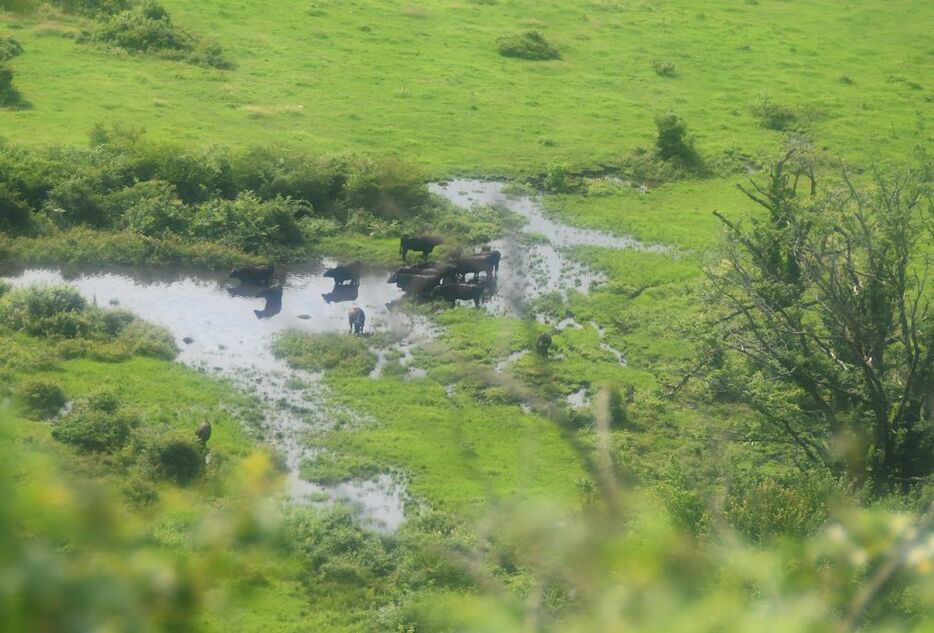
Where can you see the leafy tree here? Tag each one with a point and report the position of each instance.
(819, 314)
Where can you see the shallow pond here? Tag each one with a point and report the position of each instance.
(534, 263)
(229, 331)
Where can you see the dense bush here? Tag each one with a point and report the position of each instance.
(772, 115)
(529, 45)
(672, 141)
(40, 396)
(389, 189)
(39, 309)
(250, 223)
(768, 507)
(78, 200)
(15, 214)
(146, 27)
(97, 423)
(9, 47)
(173, 457)
(234, 203)
(151, 208)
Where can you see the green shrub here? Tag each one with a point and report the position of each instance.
(390, 189)
(44, 309)
(78, 200)
(672, 141)
(91, 428)
(530, 45)
(151, 208)
(41, 397)
(320, 352)
(249, 223)
(772, 115)
(147, 28)
(145, 339)
(9, 47)
(9, 96)
(15, 214)
(5, 287)
(114, 321)
(768, 507)
(172, 457)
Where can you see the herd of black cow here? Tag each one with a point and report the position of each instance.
(426, 280)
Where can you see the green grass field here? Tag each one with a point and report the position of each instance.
(424, 80)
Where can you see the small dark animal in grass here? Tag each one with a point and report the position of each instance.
(341, 293)
(357, 319)
(259, 275)
(464, 292)
(344, 273)
(204, 432)
(423, 244)
(543, 343)
(273, 296)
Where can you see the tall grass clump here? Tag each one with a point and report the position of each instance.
(530, 45)
(771, 114)
(320, 352)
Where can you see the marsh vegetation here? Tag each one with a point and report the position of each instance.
(693, 393)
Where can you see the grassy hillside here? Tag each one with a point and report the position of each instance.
(424, 80)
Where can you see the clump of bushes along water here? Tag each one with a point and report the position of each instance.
(60, 312)
(257, 201)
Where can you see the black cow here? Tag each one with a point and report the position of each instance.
(344, 273)
(543, 343)
(341, 293)
(273, 296)
(418, 285)
(464, 292)
(258, 275)
(356, 318)
(423, 244)
(476, 264)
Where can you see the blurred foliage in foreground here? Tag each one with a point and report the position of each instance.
(71, 558)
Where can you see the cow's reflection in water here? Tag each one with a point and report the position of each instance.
(341, 293)
(273, 296)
